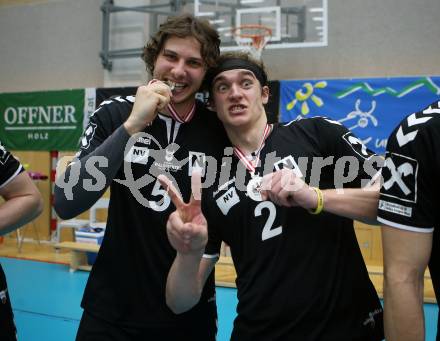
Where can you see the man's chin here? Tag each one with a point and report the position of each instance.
(236, 121)
(183, 98)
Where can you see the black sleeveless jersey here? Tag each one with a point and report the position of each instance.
(299, 276)
(127, 282)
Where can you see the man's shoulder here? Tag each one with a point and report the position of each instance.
(312, 122)
(9, 166)
(4, 154)
(113, 107)
(311, 127)
(416, 129)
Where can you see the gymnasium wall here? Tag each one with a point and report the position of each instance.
(373, 38)
(55, 44)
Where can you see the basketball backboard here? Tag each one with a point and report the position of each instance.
(293, 23)
(279, 23)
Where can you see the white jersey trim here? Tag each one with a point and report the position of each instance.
(405, 227)
(12, 177)
(215, 256)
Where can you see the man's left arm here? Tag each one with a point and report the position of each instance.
(285, 188)
(355, 171)
(357, 180)
(22, 204)
(406, 256)
(354, 203)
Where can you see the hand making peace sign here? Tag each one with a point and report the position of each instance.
(187, 228)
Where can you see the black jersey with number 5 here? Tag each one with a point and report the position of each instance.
(127, 282)
(299, 276)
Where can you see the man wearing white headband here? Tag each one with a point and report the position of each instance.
(286, 210)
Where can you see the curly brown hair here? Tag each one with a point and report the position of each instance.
(182, 26)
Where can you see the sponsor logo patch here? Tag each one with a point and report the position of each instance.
(226, 201)
(288, 162)
(197, 161)
(395, 208)
(400, 177)
(144, 140)
(165, 159)
(137, 155)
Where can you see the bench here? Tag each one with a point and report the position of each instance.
(78, 259)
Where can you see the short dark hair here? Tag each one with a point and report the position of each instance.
(182, 26)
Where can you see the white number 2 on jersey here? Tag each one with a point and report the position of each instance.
(268, 231)
(163, 203)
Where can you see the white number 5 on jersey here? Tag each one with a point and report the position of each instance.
(164, 201)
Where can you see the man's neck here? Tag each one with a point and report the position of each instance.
(248, 138)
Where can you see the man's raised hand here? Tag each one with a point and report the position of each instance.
(149, 99)
(186, 227)
(285, 188)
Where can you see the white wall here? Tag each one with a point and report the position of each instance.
(55, 44)
(50, 45)
(368, 38)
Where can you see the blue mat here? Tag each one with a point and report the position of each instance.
(46, 301)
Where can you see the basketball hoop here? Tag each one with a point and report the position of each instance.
(252, 38)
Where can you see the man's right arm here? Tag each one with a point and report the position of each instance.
(186, 280)
(187, 231)
(406, 256)
(88, 177)
(23, 203)
(73, 190)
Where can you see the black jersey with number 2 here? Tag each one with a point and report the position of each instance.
(299, 276)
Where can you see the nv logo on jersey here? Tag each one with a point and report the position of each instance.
(406, 135)
(400, 177)
(137, 155)
(288, 162)
(227, 200)
(197, 161)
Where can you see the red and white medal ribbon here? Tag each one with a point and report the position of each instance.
(181, 119)
(254, 184)
(252, 164)
(174, 114)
